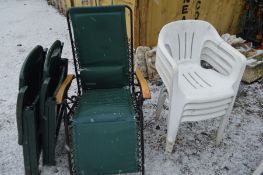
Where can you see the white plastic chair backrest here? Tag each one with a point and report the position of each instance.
(183, 39)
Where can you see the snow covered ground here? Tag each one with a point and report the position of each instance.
(26, 23)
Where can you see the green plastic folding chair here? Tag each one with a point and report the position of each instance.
(40, 104)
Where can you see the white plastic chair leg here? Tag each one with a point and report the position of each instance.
(259, 169)
(223, 124)
(169, 147)
(161, 100)
(173, 123)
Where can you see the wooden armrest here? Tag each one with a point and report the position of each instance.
(63, 88)
(143, 83)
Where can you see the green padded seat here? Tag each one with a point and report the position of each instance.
(105, 105)
(105, 133)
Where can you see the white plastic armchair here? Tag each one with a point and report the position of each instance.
(196, 93)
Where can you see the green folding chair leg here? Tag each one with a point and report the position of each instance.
(31, 141)
(49, 133)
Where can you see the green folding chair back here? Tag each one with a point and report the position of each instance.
(101, 46)
(104, 126)
(28, 116)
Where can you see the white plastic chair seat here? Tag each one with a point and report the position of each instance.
(196, 93)
(201, 84)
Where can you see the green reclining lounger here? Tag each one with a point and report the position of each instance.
(106, 129)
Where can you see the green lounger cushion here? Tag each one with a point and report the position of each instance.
(105, 133)
(102, 46)
(103, 105)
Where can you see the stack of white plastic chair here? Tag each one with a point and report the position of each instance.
(196, 93)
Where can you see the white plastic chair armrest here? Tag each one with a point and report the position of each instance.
(169, 74)
(238, 66)
(240, 60)
(168, 56)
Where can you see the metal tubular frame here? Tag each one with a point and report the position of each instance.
(74, 54)
(137, 97)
